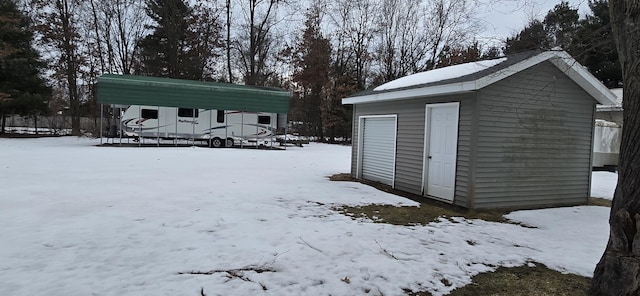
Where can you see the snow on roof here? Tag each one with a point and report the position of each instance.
(602, 122)
(440, 74)
(477, 75)
(618, 102)
(618, 92)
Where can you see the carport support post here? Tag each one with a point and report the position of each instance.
(241, 129)
(140, 126)
(113, 119)
(175, 136)
(158, 127)
(226, 127)
(101, 115)
(210, 131)
(193, 127)
(120, 123)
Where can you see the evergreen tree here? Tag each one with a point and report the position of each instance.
(312, 60)
(532, 37)
(557, 30)
(589, 40)
(22, 90)
(560, 23)
(162, 51)
(594, 46)
(204, 44)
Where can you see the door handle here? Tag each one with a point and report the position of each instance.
(429, 157)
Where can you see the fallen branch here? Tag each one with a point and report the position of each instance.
(391, 255)
(230, 271)
(385, 251)
(233, 273)
(310, 246)
(239, 272)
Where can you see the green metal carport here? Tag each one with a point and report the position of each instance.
(116, 89)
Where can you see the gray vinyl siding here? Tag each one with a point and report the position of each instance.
(409, 143)
(534, 141)
(410, 140)
(463, 161)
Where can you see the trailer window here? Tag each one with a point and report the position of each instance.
(264, 119)
(220, 116)
(183, 112)
(149, 114)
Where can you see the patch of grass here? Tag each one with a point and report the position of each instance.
(342, 177)
(428, 211)
(422, 215)
(525, 280)
(522, 281)
(596, 201)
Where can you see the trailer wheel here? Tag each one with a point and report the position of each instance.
(228, 143)
(215, 143)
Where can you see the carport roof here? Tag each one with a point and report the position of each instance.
(482, 76)
(168, 92)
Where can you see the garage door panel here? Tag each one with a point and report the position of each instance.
(378, 142)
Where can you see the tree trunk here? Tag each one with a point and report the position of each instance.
(64, 9)
(229, 41)
(618, 272)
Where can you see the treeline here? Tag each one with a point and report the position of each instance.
(320, 50)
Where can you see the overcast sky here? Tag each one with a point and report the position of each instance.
(503, 18)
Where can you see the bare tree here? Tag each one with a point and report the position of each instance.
(401, 40)
(228, 41)
(355, 25)
(618, 269)
(410, 36)
(129, 21)
(255, 39)
(58, 22)
(450, 22)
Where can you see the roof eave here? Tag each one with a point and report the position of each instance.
(583, 78)
(429, 91)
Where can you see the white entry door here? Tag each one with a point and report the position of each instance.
(441, 146)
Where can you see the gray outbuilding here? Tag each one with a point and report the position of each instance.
(511, 132)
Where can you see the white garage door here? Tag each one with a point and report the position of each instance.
(378, 148)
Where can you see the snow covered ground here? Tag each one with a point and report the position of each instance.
(76, 219)
(603, 184)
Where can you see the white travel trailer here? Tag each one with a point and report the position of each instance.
(606, 143)
(220, 128)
